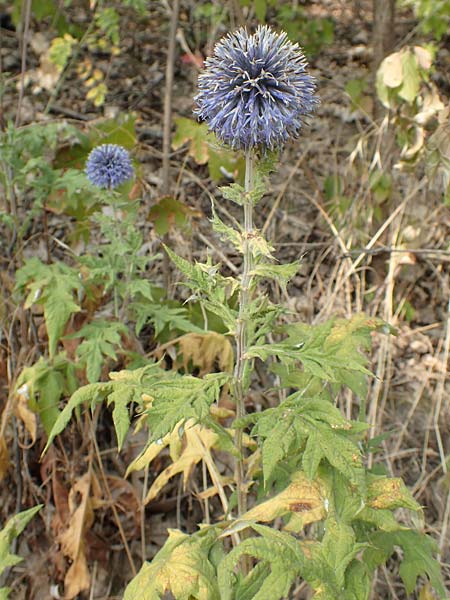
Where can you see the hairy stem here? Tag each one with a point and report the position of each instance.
(242, 330)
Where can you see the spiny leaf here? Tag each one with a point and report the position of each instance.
(280, 273)
(86, 394)
(226, 232)
(121, 415)
(234, 192)
(174, 398)
(330, 351)
(213, 290)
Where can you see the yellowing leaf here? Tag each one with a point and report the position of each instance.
(150, 453)
(431, 105)
(61, 49)
(181, 568)
(303, 498)
(213, 490)
(390, 493)
(206, 351)
(197, 444)
(411, 150)
(97, 94)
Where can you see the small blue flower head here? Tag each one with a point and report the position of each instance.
(108, 166)
(255, 91)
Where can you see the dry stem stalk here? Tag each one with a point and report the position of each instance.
(242, 329)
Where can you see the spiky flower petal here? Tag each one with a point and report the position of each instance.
(108, 166)
(255, 91)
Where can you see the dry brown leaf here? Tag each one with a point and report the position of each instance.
(81, 517)
(127, 503)
(23, 412)
(77, 577)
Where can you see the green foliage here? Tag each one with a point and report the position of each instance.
(44, 384)
(173, 398)
(54, 287)
(433, 15)
(311, 33)
(417, 559)
(169, 212)
(101, 339)
(311, 429)
(42, 9)
(107, 21)
(12, 529)
(275, 572)
(328, 352)
(213, 290)
(61, 50)
(26, 156)
(141, 6)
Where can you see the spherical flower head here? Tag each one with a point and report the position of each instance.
(255, 91)
(108, 166)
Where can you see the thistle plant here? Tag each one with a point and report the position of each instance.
(253, 94)
(255, 90)
(108, 166)
(307, 507)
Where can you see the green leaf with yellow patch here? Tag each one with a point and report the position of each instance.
(181, 568)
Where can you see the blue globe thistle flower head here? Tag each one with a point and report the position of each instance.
(108, 166)
(255, 90)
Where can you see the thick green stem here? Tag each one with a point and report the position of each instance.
(242, 330)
